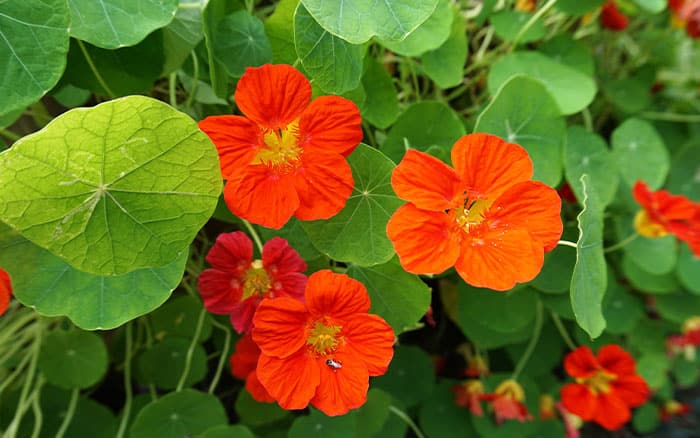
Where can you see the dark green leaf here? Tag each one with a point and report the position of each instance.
(640, 153)
(507, 25)
(587, 153)
(430, 35)
(239, 41)
(254, 413)
(381, 106)
(74, 359)
(445, 65)
(171, 351)
(410, 377)
(178, 317)
(440, 417)
(648, 282)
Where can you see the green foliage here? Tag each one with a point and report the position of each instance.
(640, 153)
(240, 42)
(410, 376)
(73, 359)
(430, 35)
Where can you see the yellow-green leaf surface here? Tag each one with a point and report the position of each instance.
(122, 186)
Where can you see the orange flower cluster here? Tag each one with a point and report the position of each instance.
(606, 387)
(5, 291)
(485, 216)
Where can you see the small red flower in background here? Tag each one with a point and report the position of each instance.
(686, 342)
(547, 407)
(611, 17)
(243, 362)
(468, 394)
(672, 408)
(235, 284)
(566, 193)
(507, 402)
(686, 13)
(287, 156)
(322, 351)
(525, 5)
(663, 213)
(606, 387)
(485, 216)
(5, 291)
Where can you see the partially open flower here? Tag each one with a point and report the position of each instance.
(468, 394)
(507, 402)
(547, 407)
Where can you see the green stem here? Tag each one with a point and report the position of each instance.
(172, 89)
(533, 342)
(414, 79)
(562, 331)
(127, 383)
(9, 134)
(567, 243)
(190, 350)
(536, 16)
(96, 72)
(622, 243)
(36, 408)
(17, 371)
(407, 419)
(672, 117)
(69, 414)
(254, 235)
(21, 404)
(224, 354)
(587, 119)
(195, 79)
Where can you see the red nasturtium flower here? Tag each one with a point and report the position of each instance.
(673, 408)
(485, 217)
(606, 387)
(547, 407)
(612, 18)
(507, 402)
(235, 284)
(244, 361)
(322, 351)
(286, 156)
(686, 13)
(663, 213)
(469, 394)
(5, 291)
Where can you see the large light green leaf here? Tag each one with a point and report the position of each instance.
(590, 273)
(571, 89)
(397, 296)
(587, 153)
(74, 359)
(334, 64)
(358, 233)
(640, 153)
(53, 287)
(240, 41)
(445, 65)
(356, 21)
(118, 23)
(33, 47)
(524, 112)
(428, 36)
(111, 189)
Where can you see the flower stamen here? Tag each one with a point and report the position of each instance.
(323, 339)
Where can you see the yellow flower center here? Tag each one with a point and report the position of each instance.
(323, 339)
(510, 388)
(599, 382)
(473, 215)
(646, 227)
(473, 386)
(281, 146)
(256, 282)
(691, 324)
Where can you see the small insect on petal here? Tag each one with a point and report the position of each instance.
(334, 364)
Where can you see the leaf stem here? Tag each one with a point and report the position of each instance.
(567, 243)
(562, 331)
(224, 354)
(36, 408)
(96, 72)
(190, 350)
(533, 342)
(9, 135)
(254, 235)
(672, 117)
(587, 119)
(195, 80)
(34, 354)
(172, 89)
(408, 420)
(69, 414)
(622, 243)
(127, 382)
(536, 16)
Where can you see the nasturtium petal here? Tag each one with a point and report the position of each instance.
(334, 64)
(428, 36)
(587, 152)
(240, 41)
(524, 112)
(640, 153)
(73, 359)
(122, 186)
(118, 23)
(53, 287)
(358, 233)
(356, 21)
(33, 46)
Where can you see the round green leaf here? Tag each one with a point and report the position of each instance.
(656, 256)
(445, 65)
(397, 296)
(504, 312)
(685, 372)
(422, 125)
(507, 24)
(235, 431)
(319, 425)
(646, 419)
(547, 353)
(90, 419)
(178, 317)
(74, 359)
(688, 270)
(111, 189)
(178, 414)
(182, 35)
(683, 178)
(334, 64)
(559, 304)
(678, 307)
(572, 90)
(640, 153)
(621, 309)
(556, 272)
(358, 233)
(356, 21)
(410, 377)
(523, 112)
(33, 47)
(648, 335)
(647, 282)
(652, 367)
(254, 413)
(172, 351)
(52, 287)
(381, 106)
(428, 36)
(280, 30)
(239, 42)
(586, 152)
(118, 23)
(629, 94)
(440, 417)
(373, 415)
(568, 51)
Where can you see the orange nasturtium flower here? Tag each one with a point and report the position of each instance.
(244, 361)
(606, 387)
(663, 213)
(507, 402)
(286, 156)
(485, 216)
(322, 351)
(5, 291)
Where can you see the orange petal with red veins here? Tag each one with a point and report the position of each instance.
(531, 206)
(273, 96)
(371, 339)
(5, 291)
(279, 326)
(579, 400)
(245, 357)
(341, 389)
(581, 363)
(422, 240)
(497, 259)
(291, 381)
(256, 389)
(633, 390)
(488, 165)
(425, 181)
(616, 360)
(612, 412)
(236, 139)
(331, 124)
(262, 196)
(336, 295)
(323, 183)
